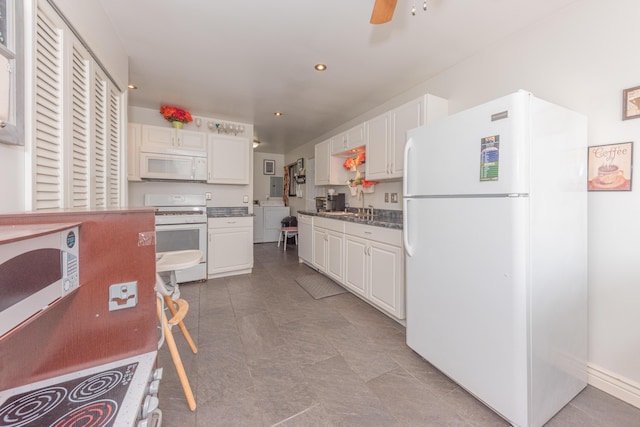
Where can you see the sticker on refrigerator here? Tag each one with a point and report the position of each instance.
(490, 158)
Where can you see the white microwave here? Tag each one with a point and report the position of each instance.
(39, 264)
(173, 167)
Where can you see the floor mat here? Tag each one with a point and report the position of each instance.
(319, 286)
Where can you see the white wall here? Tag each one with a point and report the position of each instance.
(222, 195)
(261, 182)
(91, 21)
(581, 58)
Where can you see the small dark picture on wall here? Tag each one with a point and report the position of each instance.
(631, 103)
(610, 167)
(269, 167)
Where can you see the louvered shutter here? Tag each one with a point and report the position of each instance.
(114, 148)
(79, 166)
(100, 132)
(47, 161)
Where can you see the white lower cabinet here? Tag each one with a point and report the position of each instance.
(386, 278)
(367, 260)
(230, 246)
(328, 247)
(374, 269)
(355, 277)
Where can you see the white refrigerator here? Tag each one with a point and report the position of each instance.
(495, 235)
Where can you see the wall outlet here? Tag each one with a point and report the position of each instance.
(123, 295)
(386, 197)
(207, 195)
(394, 197)
(245, 199)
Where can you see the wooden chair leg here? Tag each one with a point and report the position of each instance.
(183, 328)
(173, 350)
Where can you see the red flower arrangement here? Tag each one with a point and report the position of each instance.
(367, 184)
(173, 114)
(353, 162)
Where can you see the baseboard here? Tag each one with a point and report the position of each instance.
(615, 385)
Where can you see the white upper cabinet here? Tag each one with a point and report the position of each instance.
(386, 135)
(168, 140)
(378, 134)
(329, 170)
(323, 163)
(229, 159)
(134, 137)
(348, 140)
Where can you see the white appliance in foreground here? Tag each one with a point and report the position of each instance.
(495, 233)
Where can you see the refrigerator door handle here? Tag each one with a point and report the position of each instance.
(405, 176)
(405, 226)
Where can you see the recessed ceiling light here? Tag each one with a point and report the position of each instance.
(132, 86)
(320, 67)
(278, 113)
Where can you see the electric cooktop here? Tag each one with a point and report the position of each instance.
(103, 396)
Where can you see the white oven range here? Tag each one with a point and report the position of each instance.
(181, 224)
(122, 393)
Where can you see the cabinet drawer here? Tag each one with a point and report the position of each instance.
(379, 234)
(234, 221)
(329, 224)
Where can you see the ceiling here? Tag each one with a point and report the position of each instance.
(244, 60)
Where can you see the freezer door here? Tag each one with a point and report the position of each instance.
(483, 150)
(466, 277)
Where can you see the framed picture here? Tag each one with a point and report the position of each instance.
(610, 167)
(269, 167)
(300, 164)
(631, 103)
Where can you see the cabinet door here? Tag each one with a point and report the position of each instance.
(386, 284)
(339, 143)
(192, 141)
(355, 274)
(229, 249)
(323, 164)
(355, 137)
(403, 118)
(156, 138)
(377, 135)
(229, 159)
(305, 237)
(134, 136)
(335, 255)
(320, 249)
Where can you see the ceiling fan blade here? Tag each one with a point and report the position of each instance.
(383, 11)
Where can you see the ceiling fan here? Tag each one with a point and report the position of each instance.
(383, 11)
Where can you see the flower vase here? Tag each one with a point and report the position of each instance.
(176, 124)
(368, 190)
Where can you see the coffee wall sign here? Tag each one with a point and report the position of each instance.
(610, 167)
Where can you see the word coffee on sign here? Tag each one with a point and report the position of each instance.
(609, 153)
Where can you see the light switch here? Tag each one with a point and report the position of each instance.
(245, 199)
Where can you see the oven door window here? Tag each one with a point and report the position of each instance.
(177, 240)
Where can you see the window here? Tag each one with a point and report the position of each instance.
(11, 84)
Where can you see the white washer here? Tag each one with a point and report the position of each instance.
(267, 221)
(273, 217)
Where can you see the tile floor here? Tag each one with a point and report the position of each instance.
(270, 355)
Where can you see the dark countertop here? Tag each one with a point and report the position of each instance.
(228, 212)
(381, 218)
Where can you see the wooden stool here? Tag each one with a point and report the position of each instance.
(170, 295)
(288, 232)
